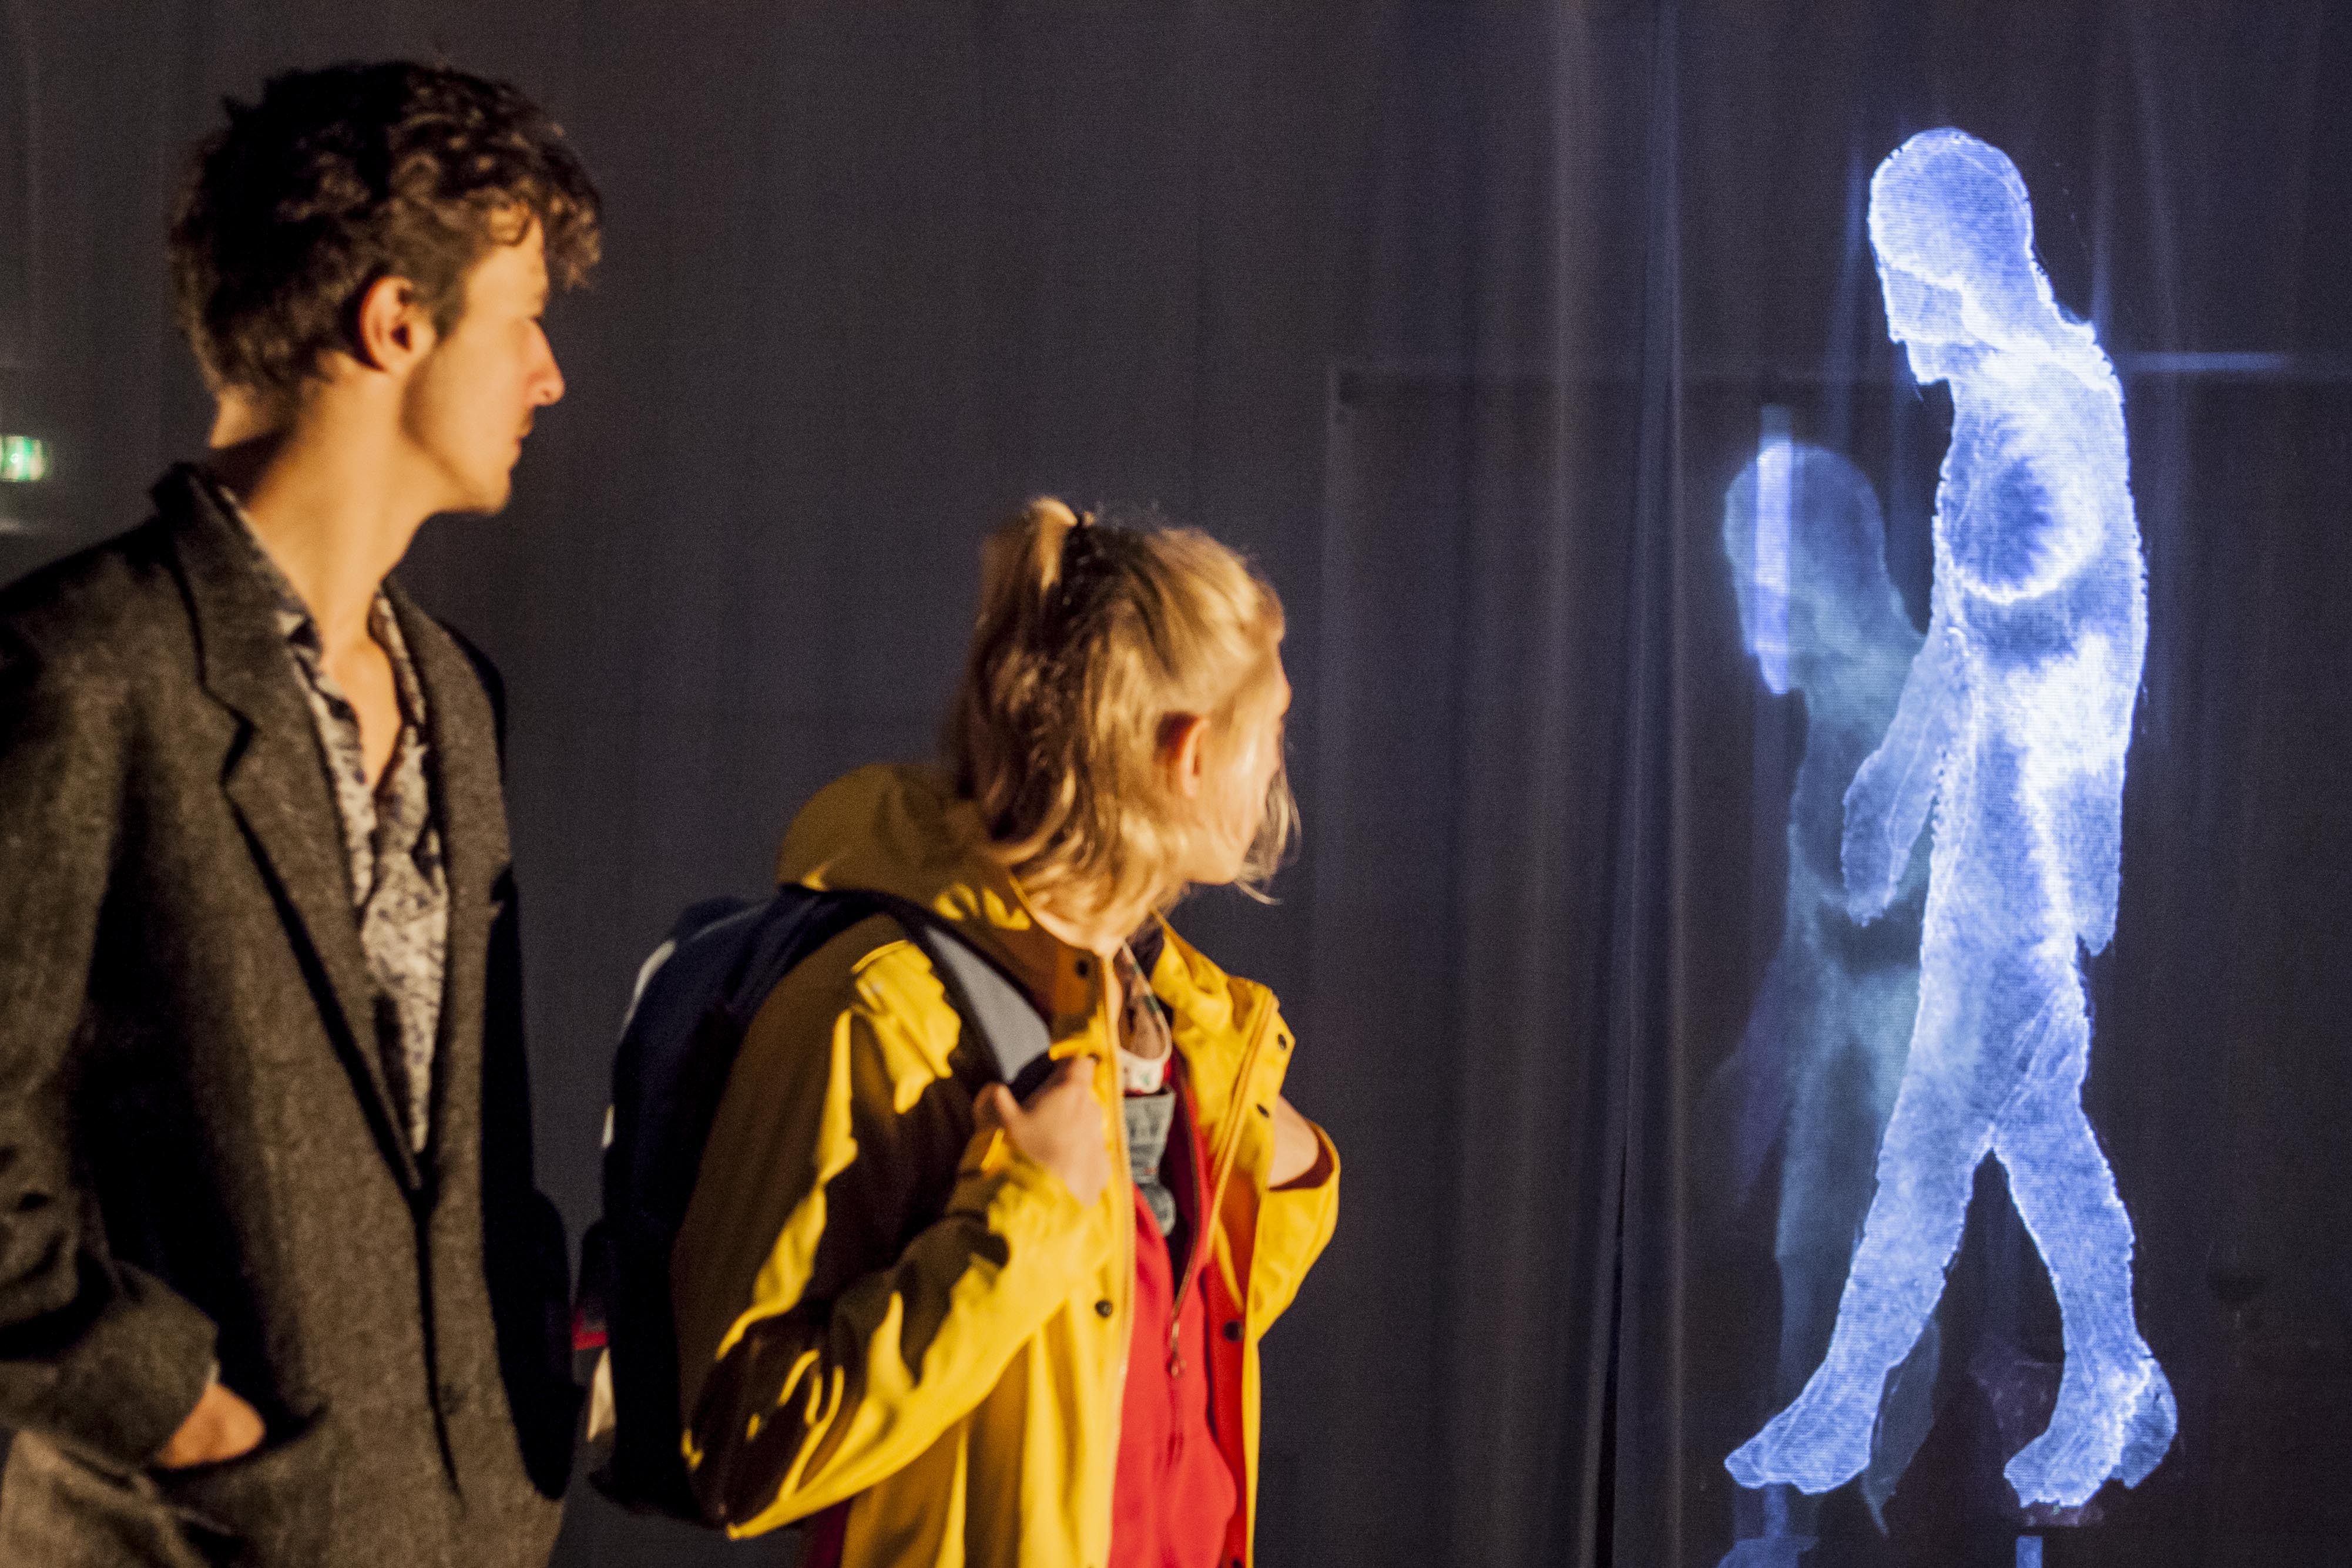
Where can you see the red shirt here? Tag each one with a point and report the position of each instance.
(1173, 1498)
(1174, 1502)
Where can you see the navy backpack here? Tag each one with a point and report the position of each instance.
(695, 997)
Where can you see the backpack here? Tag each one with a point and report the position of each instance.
(694, 997)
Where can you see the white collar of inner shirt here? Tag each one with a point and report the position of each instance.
(1142, 1074)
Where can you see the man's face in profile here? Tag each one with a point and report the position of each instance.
(471, 401)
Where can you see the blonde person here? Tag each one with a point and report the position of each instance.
(951, 1331)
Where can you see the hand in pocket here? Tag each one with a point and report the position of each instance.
(222, 1426)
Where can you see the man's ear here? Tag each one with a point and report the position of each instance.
(391, 330)
(1181, 736)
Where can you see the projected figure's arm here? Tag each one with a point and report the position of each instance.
(2098, 686)
(1886, 806)
(2091, 814)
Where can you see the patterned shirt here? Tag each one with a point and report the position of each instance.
(400, 890)
(1146, 1051)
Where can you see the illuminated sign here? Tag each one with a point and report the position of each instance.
(2013, 727)
(24, 459)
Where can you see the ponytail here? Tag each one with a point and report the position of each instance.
(1089, 634)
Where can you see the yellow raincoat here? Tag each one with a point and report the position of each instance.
(874, 1302)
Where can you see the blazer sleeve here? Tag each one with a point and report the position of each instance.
(95, 1353)
(878, 1316)
(527, 1262)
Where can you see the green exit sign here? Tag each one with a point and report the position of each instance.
(24, 460)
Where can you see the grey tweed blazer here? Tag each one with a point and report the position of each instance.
(200, 1164)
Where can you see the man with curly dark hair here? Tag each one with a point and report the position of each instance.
(275, 1284)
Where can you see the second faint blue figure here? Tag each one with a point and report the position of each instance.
(2011, 728)
(1815, 1073)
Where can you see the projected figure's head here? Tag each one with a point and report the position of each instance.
(1952, 227)
(1807, 545)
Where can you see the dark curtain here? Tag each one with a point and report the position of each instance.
(1620, 251)
(1467, 320)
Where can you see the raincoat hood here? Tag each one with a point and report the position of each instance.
(901, 829)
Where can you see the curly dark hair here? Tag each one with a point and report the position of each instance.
(340, 177)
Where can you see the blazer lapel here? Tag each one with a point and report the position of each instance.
(277, 782)
(461, 737)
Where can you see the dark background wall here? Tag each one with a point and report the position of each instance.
(1459, 318)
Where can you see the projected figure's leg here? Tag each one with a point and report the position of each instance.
(1856, 1037)
(1825, 1179)
(1940, 1129)
(2114, 1415)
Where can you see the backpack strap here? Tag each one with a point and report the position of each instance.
(1015, 1047)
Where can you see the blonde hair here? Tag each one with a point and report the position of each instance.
(1090, 637)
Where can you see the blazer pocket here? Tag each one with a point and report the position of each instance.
(272, 1508)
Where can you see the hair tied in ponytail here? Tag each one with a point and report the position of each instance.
(1091, 633)
(1081, 553)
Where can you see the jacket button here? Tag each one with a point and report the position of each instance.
(1103, 1308)
(1234, 1330)
(453, 1397)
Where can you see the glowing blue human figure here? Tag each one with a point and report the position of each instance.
(1826, 1036)
(2013, 727)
